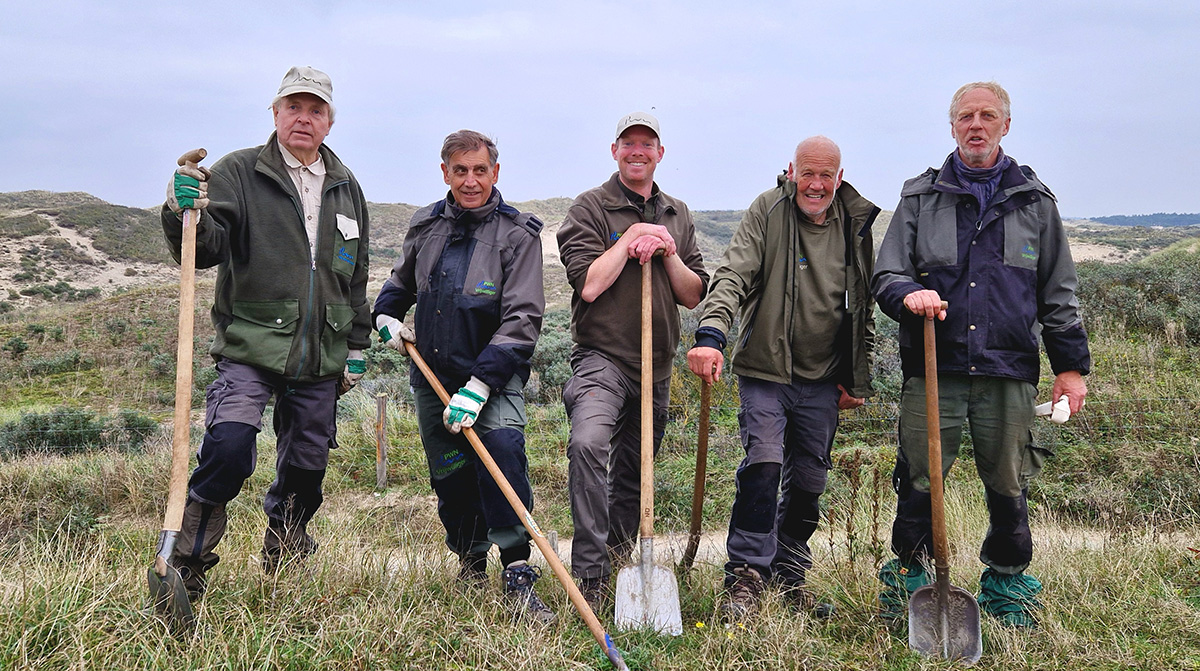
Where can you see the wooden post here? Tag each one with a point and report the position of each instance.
(381, 441)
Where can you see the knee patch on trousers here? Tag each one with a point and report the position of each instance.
(226, 459)
(757, 497)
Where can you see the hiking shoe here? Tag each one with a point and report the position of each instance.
(900, 580)
(743, 595)
(802, 599)
(595, 593)
(1011, 599)
(519, 577)
(285, 541)
(472, 569)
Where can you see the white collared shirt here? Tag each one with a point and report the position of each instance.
(309, 181)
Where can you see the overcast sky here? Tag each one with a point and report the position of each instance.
(104, 96)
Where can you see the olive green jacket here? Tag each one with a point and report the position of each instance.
(274, 307)
(757, 276)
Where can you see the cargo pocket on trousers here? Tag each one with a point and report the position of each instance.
(1031, 463)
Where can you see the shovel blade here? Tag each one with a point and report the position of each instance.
(648, 598)
(170, 600)
(952, 633)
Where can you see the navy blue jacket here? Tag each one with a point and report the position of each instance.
(476, 279)
(1007, 275)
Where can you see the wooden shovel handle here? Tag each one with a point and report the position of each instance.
(689, 553)
(647, 437)
(180, 442)
(941, 545)
(556, 565)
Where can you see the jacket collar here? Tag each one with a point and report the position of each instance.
(612, 196)
(270, 161)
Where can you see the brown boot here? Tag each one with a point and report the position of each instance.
(203, 526)
(743, 595)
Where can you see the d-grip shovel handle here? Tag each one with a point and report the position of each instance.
(941, 546)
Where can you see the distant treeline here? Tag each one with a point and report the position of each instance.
(1156, 219)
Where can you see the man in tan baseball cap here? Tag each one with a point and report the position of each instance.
(285, 223)
(608, 234)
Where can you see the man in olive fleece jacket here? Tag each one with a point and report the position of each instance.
(798, 269)
(286, 225)
(609, 232)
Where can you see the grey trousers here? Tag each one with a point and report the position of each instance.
(787, 431)
(604, 454)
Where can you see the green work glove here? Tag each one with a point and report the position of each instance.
(465, 406)
(356, 366)
(188, 189)
(394, 333)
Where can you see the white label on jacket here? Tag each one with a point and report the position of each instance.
(347, 227)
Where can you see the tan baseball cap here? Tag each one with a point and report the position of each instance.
(638, 119)
(305, 79)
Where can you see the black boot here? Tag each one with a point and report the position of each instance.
(287, 538)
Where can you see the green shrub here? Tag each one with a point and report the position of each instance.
(72, 360)
(23, 225)
(70, 430)
(16, 347)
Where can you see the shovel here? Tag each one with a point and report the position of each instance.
(167, 592)
(548, 553)
(689, 553)
(647, 595)
(943, 620)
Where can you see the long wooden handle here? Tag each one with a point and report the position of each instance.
(647, 526)
(180, 442)
(556, 565)
(933, 427)
(689, 553)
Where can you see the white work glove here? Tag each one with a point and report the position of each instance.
(356, 366)
(394, 333)
(1058, 412)
(188, 189)
(465, 406)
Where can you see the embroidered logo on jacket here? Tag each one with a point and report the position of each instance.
(1029, 252)
(345, 256)
(486, 287)
(803, 263)
(614, 237)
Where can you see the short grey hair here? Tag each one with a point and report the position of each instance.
(995, 88)
(279, 99)
(468, 140)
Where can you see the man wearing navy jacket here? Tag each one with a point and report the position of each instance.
(983, 234)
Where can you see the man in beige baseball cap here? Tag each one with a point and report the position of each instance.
(285, 223)
(608, 234)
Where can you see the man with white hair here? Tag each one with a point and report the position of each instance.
(797, 274)
(983, 234)
(286, 225)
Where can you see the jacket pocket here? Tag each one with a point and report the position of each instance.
(339, 317)
(262, 332)
(345, 255)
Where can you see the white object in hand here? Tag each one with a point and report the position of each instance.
(1058, 412)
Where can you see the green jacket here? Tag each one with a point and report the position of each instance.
(757, 276)
(274, 308)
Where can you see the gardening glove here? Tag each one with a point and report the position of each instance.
(394, 333)
(188, 189)
(355, 367)
(465, 406)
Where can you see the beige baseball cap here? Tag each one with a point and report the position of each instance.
(638, 119)
(305, 79)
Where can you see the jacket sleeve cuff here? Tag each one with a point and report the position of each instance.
(1068, 350)
(707, 336)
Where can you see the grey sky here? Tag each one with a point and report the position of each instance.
(103, 97)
